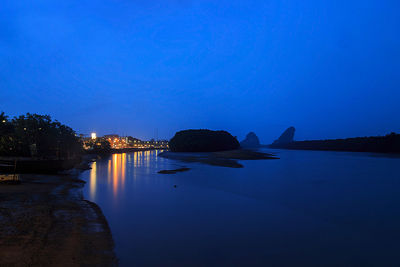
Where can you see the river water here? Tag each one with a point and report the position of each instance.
(308, 208)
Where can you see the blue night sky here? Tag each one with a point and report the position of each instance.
(329, 68)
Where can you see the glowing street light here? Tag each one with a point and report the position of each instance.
(94, 136)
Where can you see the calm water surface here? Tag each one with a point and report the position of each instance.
(308, 208)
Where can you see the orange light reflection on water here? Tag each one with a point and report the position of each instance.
(123, 168)
(117, 175)
(93, 180)
(109, 171)
(117, 172)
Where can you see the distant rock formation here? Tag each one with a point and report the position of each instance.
(251, 141)
(286, 137)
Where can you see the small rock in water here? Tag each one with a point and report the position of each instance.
(173, 171)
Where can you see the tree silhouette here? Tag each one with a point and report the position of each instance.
(37, 135)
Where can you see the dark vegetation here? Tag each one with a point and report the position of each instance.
(380, 144)
(202, 141)
(34, 135)
(98, 146)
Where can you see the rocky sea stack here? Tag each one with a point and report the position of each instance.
(286, 137)
(251, 141)
(202, 141)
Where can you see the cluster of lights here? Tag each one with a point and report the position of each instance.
(122, 142)
(117, 143)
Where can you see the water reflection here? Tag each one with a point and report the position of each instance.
(93, 180)
(304, 209)
(116, 170)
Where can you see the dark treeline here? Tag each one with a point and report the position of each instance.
(202, 141)
(382, 144)
(98, 146)
(34, 135)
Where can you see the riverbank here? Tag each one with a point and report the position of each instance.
(44, 221)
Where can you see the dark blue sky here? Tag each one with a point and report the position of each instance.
(329, 68)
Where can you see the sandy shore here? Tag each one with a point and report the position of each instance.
(222, 158)
(44, 221)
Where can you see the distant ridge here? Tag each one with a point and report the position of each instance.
(380, 144)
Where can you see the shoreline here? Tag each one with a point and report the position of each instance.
(228, 158)
(129, 150)
(45, 221)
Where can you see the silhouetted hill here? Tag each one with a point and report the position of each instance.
(286, 137)
(251, 141)
(202, 141)
(380, 144)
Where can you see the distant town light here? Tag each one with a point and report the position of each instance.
(94, 136)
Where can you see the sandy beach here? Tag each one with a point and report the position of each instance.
(227, 158)
(44, 221)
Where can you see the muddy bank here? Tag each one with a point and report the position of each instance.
(222, 158)
(174, 171)
(44, 221)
